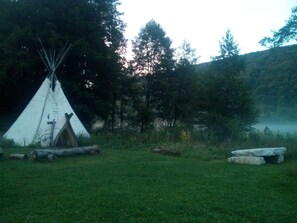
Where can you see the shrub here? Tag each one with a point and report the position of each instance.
(7, 143)
(185, 136)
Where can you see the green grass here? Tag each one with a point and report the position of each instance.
(140, 186)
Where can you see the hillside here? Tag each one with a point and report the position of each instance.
(272, 75)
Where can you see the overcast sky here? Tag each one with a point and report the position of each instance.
(203, 23)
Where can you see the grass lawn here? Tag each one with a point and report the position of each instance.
(139, 186)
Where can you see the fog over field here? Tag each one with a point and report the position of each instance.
(278, 127)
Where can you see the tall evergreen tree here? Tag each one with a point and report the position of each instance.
(229, 105)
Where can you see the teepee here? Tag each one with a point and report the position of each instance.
(48, 119)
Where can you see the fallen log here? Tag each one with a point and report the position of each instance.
(52, 154)
(18, 156)
(165, 152)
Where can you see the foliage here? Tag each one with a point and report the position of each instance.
(181, 104)
(161, 85)
(285, 73)
(195, 143)
(272, 77)
(6, 143)
(168, 92)
(228, 47)
(285, 34)
(90, 71)
(152, 62)
(185, 136)
(229, 108)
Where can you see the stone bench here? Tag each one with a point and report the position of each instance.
(258, 156)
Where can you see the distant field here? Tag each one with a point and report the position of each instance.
(140, 186)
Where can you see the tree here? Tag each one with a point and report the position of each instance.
(153, 59)
(229, 107)
(182, 88)
(285, 34)
(228, 47)
(90, 73)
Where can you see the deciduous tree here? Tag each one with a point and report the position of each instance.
(285, 34)
(152, 61)
(184, 87)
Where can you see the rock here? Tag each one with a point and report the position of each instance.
(258, 152)
(252, 160)
(280, 159)
(258, 156)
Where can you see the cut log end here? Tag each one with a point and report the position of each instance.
(51, 157)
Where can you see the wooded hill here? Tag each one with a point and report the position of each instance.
(272, 76)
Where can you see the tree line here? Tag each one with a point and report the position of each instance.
(160, 85)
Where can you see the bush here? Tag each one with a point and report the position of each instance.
(7, 143)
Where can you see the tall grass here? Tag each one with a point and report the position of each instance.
(189, 143)
(195, 144)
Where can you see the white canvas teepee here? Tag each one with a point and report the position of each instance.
(48, 119)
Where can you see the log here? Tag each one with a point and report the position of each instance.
(165, 152)
(52, 154)
(18, 156)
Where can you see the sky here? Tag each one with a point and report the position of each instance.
(203, 23)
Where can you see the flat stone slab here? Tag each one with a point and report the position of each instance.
(251, 160)
(260, 152)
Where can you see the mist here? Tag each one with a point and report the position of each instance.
(278, 127)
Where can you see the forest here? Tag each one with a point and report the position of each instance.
(272, 75)
(272, 78)
(160, 86)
